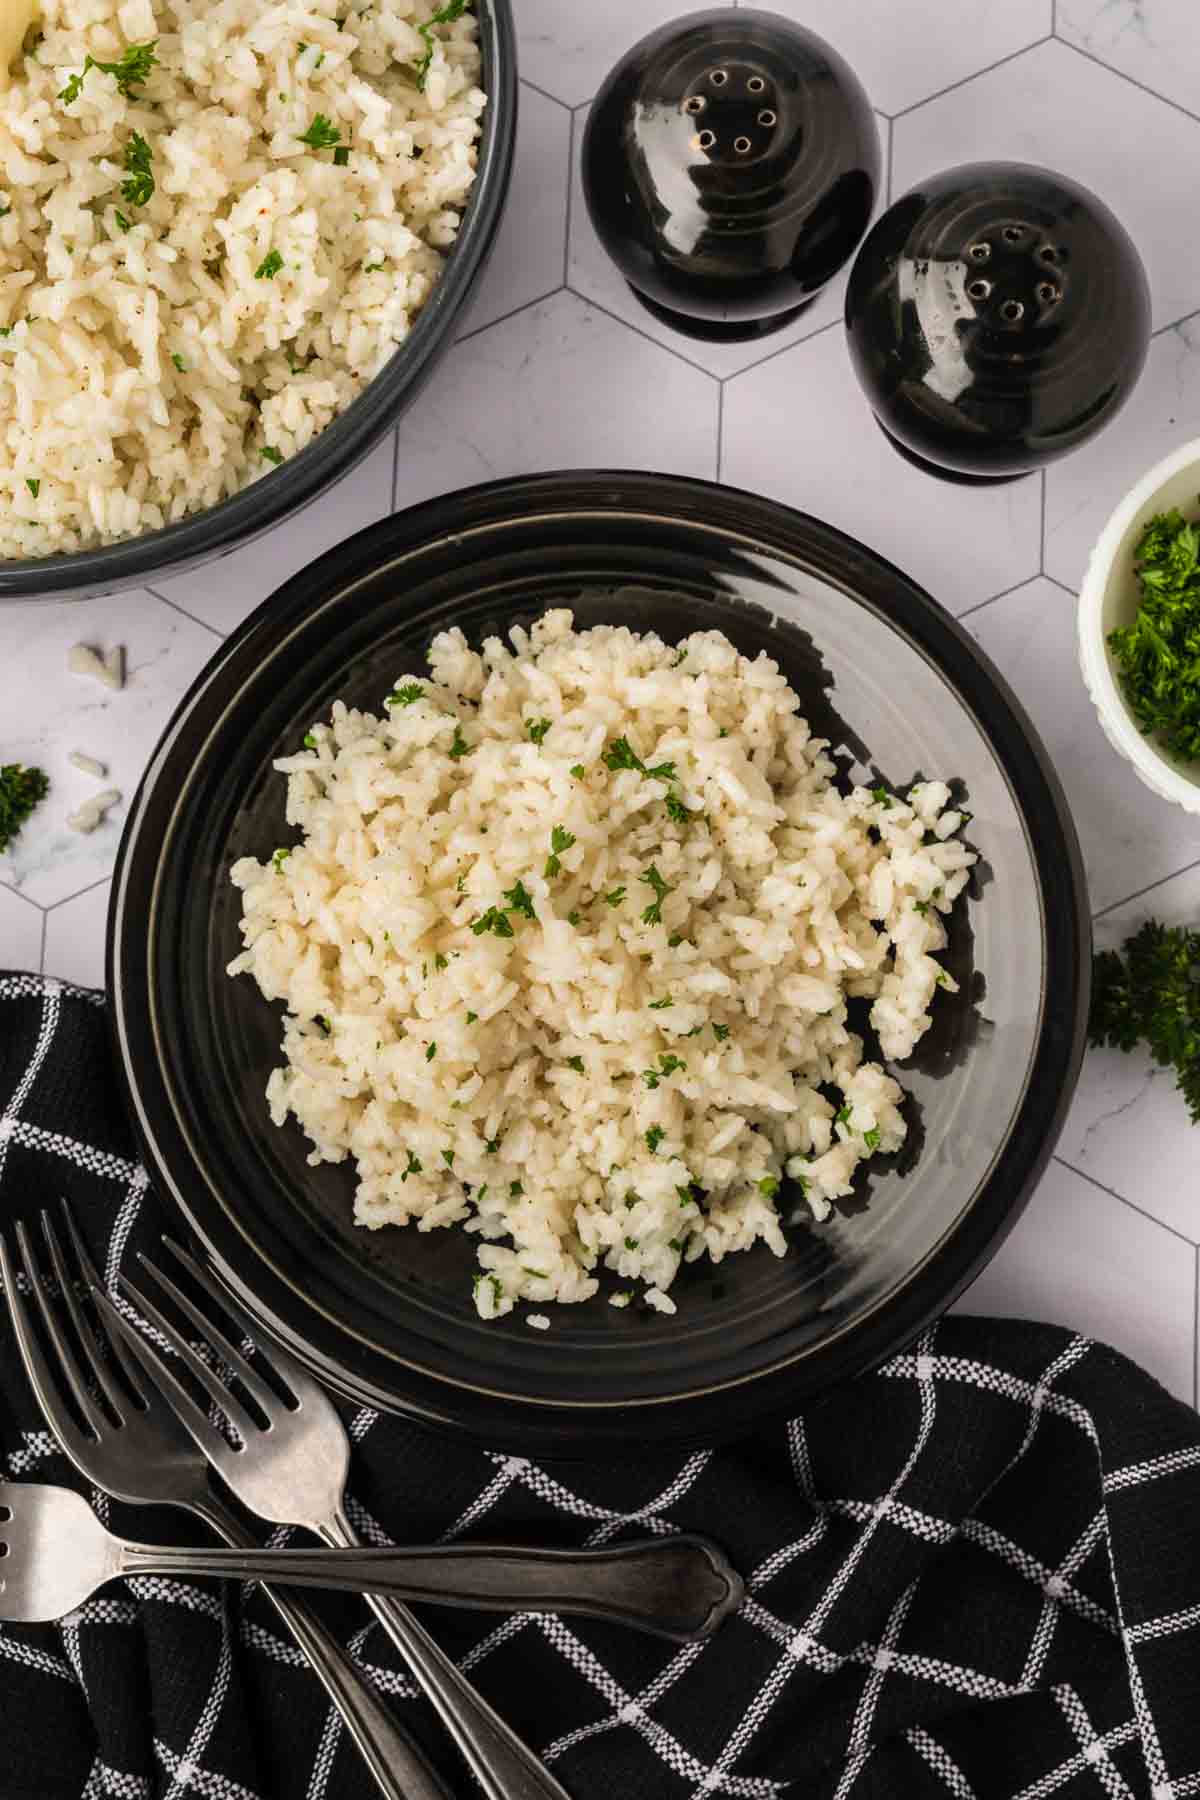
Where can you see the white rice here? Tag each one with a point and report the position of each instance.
(148, 372)
(604, 1087)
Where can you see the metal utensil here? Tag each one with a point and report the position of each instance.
(55, 1553)
(293, 1471)
(141, 1453)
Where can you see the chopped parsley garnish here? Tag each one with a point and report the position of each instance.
(680, 660)
(921, 906)
(677, 811)
(491, 1145)
(128, 72)
(407, 695)
(654, 1138)
(21, 789)
(139, 185)
(471, 1018)
(652, 879)
(448, 1158)
(720, 1032)
(323, 1022)
(310, 743)
(430, 1052)
(341, 156)
(269, 267)
(676, 1244)
(573, 917)
(445, 15)
(1146, 992)
(576, 1063)
(842, 1115)
(668, 1063)
(322, 134)
(615, 896)
(942, 979)
(279, 858)
(413, 1168)
(537, 729)
(439, 961)
(540, 1273)
(1157, 653)
(515, 1190)
(578, 771)
(871, 1138)
(493, 1282)
(631, 1243)
(622, 755)
(494, 920)
(768, 1186)
(34, 485)
(373, 268)
(881, 797)
(560, 840)
(270, 454)
(459, 746)
(123, 224)
(660, 1005)
(182, 367)
(520, 900)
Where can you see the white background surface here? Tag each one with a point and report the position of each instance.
(558, 366)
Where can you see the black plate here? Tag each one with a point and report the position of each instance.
(883, 670)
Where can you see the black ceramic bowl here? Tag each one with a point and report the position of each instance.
(387, 1317)
(343, 444)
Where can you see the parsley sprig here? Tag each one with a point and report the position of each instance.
(653, 913)
(1147, 992)
(622, 755)
(21, 789)
(138, 186)
(129, 71)
(560, 840)
(445, 15)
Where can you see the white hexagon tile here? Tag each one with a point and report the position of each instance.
(556, 364)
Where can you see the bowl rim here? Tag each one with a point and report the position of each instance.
(338, 1355)
(265, 502)
(1156, 769)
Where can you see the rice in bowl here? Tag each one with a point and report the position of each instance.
(219, 219)
(566, 945)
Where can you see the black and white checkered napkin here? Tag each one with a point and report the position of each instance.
(976, 1573)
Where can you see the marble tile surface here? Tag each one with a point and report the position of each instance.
(557, 365)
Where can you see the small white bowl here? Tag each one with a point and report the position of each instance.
(1109, 598)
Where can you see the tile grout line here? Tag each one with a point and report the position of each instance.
(545, 94)
(720, 428)
(10, 889)
(79, 893)
(638, 331)
(566, 264)
(976, 74)
(1140, 893)
(1074, 592)
(783, 349)
(1150, 93)
(42, 948)
(183, 612)
(992, 598)
(1042, 541)
(503, 319)
(1113, 1195)
(1174, 324)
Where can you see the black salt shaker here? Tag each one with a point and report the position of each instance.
(730, 167)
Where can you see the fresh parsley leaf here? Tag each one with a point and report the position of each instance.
(881, 797)
(654, 1138)
(270, 454)
(871, 1138)
(520, 900)
(373, 268)
(576, 1063)
(129, 71)
(459, 746)
(669, 1064)
(494, 920)
(279, 858)
(678, 812)
(1159, 653)
(21, 789)
(413, 1168)
(661, 1005)
(921, 906)
(515, 1190)
(269, 267)
(631, 1243)
(768, 1186)
(652, 879)
(439, 961)
(310, 743)
(720, 1032)
(574, 917)
(182, 367)
(448, 1158)
(842, 1115)
(560, 840)
(578, 771)
(491, 1145)
(540, 1273)
(430, 1052)
(139, 184)
(320, 1020)
(614, 896)
(472, 1018)
(444, 16)
(322, 134)
(407, 695)
(537, 729)
(341, 156)
(1147, 993)
(34, 485)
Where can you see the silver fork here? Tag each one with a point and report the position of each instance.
(55, 1554)
(294, 1472)
(140, 1453)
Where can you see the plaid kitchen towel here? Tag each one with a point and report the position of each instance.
(975, 1573)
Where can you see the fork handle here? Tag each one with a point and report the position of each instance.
(399, 1766)
(505, 1768)
(679, 1587)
